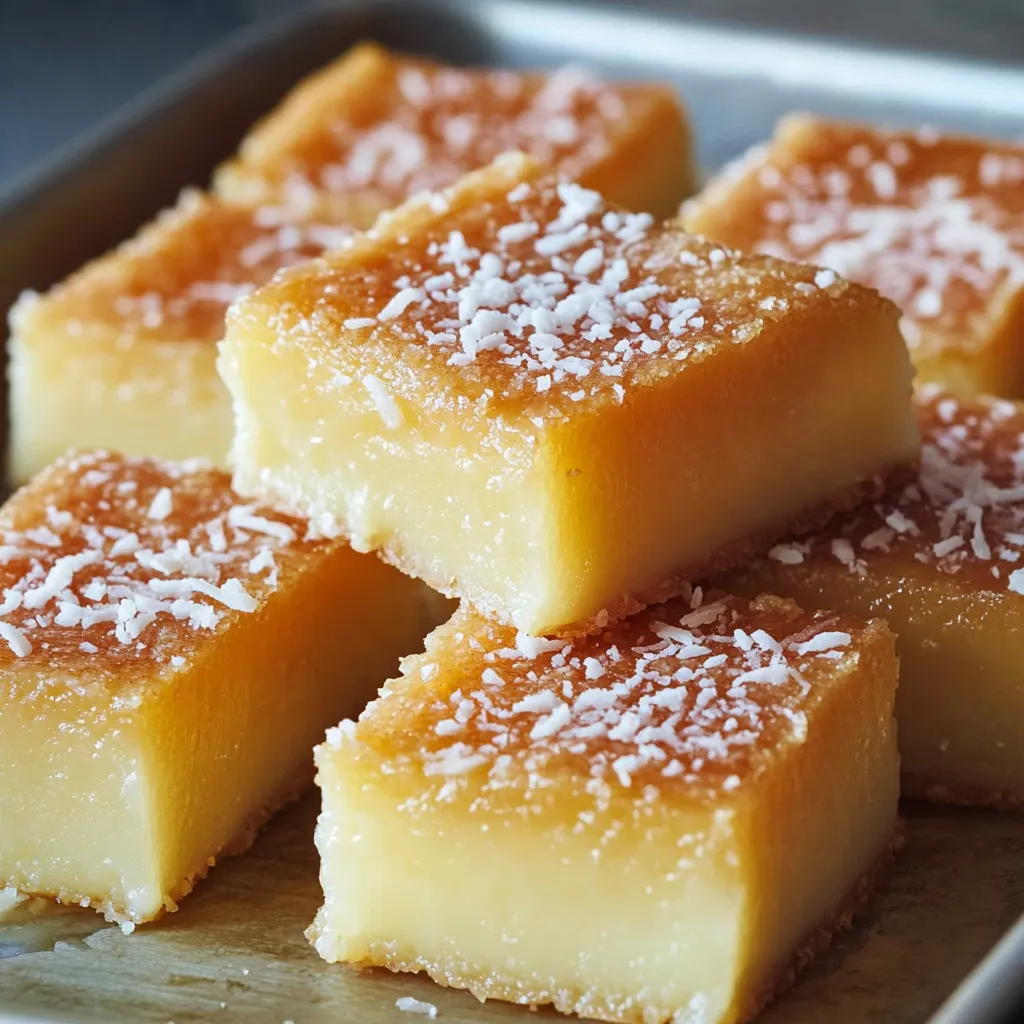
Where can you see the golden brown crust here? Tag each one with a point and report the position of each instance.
(918, 787)
(176, 278)
(239, 843)
(498, 717)
(168, 536)
(387, 304)
(811, 947)
(877, 206)
(374, 127)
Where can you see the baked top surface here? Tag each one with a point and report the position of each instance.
(963, 514)
(112, 567)
(378, 122)
(698, 696)
(525, 294)
(935, 222)
(176, 278)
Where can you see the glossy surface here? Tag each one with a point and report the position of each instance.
(942, 559)
(169, 656)
(534, 298)
(575, 375)
(935, 222)
(374, 128)
(663, 822)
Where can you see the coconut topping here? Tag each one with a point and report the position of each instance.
(410, 1004)
(139, 559)
(693, 691)
(178, 276)
(963, 513)
(431, 124)
(526, 286)
(935, 224)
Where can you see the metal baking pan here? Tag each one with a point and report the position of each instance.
(933, 945)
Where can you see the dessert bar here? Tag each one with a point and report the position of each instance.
(374, 127)
(942, 560)
(168, 656)
(934, 222)
(660, 823)
(122, 354)
(556, 409)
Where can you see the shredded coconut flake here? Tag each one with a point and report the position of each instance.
(825, 642)
(162, 504)
(787, 554)
(15, 639)
(408, 1004)
(384, 403)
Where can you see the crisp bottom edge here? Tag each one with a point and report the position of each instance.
(919, 787)
(745, 1007)
(240, 842)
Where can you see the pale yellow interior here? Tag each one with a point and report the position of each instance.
(126, 808)
(635, 914)
(522, 908)
(84, 391)
(986, 357)
(823, 822)
(715, 462)
(960, 704)
(75, 814)
(546, 527)
(466, 516)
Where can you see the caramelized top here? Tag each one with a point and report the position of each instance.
(113, 567)
(698, 694)
(516, 289)
(936, 223)
(964, 512)
(176, 278)
(389, 126)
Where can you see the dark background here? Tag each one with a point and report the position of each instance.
(64, 64)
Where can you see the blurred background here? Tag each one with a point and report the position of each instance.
(64, 64)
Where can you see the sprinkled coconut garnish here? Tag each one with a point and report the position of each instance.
(935, 224)
(169, 556)
(658, 697)
(187, 267)
(436, 123)
(539, 292)
(964, 510)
